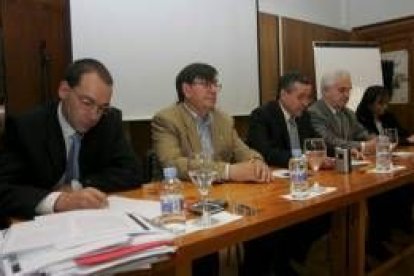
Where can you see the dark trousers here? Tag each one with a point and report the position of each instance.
(272, 254)
(206, 266)
(392, 209)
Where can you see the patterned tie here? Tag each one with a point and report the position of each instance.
(203, 127)
(294, 138)
(72, 165)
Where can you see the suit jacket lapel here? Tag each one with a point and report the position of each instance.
(190, 130)
(55, 142)
(280, 123)
(216, 133)
(332, 119)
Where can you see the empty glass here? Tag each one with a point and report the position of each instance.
(202, 173)
(392, 134)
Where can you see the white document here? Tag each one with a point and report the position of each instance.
(32, 235)
(221, 218)
(149, 209)
(31, 262)
(70, 229)
(312, 194)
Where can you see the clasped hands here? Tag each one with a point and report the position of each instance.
(254, 170)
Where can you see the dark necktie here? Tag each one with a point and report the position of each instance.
(72, 165)
(340, 116)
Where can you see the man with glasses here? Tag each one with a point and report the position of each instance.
(65, 155)
(195, 125)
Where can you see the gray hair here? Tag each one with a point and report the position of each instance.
(330, 78)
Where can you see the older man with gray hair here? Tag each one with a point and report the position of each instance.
(336, 123)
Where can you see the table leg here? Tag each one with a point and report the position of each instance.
(337, 242)
(356, 238)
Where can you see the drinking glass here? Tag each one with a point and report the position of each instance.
(315, 151)
(392, 134)
(202, 173)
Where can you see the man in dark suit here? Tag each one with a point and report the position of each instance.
(270, 125)
(64, 155)
(277, 131)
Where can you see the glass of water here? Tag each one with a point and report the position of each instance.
(315, 151)
(202, 173)
(392, 134)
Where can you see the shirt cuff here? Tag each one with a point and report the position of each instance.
(46, 206)
(227, 171)
(76, 185)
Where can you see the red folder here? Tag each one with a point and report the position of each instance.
(118, 252)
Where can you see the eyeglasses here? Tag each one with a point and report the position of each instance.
(208, 84)
(91, 105)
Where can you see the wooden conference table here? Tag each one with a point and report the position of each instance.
(347, 205)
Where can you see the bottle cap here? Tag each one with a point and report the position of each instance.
(170, 172)
(296, 153)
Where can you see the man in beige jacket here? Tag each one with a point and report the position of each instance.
(195, 125)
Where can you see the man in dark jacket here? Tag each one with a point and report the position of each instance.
(65, 155)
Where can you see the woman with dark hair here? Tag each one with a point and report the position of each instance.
(372, 113)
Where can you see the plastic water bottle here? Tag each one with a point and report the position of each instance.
(383, 154)
(172, 202)
(298, 171)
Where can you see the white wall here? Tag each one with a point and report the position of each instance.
(146, 43)
(368, 12)
(331, 13)
(342, 14)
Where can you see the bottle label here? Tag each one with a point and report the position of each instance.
(172, 204)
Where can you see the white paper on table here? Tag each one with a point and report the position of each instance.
(33, 261)
(402, 153)
(393, 169)
(32, 235)
(220, 218)
(360, 162)
(69, 229)
(281, 173)
(147, 258)
(149, 209)
(321, 191)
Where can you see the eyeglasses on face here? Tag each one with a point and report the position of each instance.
(90, 104)
(208, 84)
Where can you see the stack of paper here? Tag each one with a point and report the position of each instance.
(82, 242)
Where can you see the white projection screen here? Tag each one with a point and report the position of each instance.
(145, 43)
(362, 60)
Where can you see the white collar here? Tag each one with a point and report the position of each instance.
(195, 115)
(285, 113)
(67, 129)
(331, 108)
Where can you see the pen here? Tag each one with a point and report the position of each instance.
(140, 223)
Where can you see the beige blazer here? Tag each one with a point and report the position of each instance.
(175, 137)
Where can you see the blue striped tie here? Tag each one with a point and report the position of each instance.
(72, 165)
(294, 138)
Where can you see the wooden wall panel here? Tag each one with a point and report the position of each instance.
(297, 38)
(268, 56)
(392, 36)
(36, 50)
